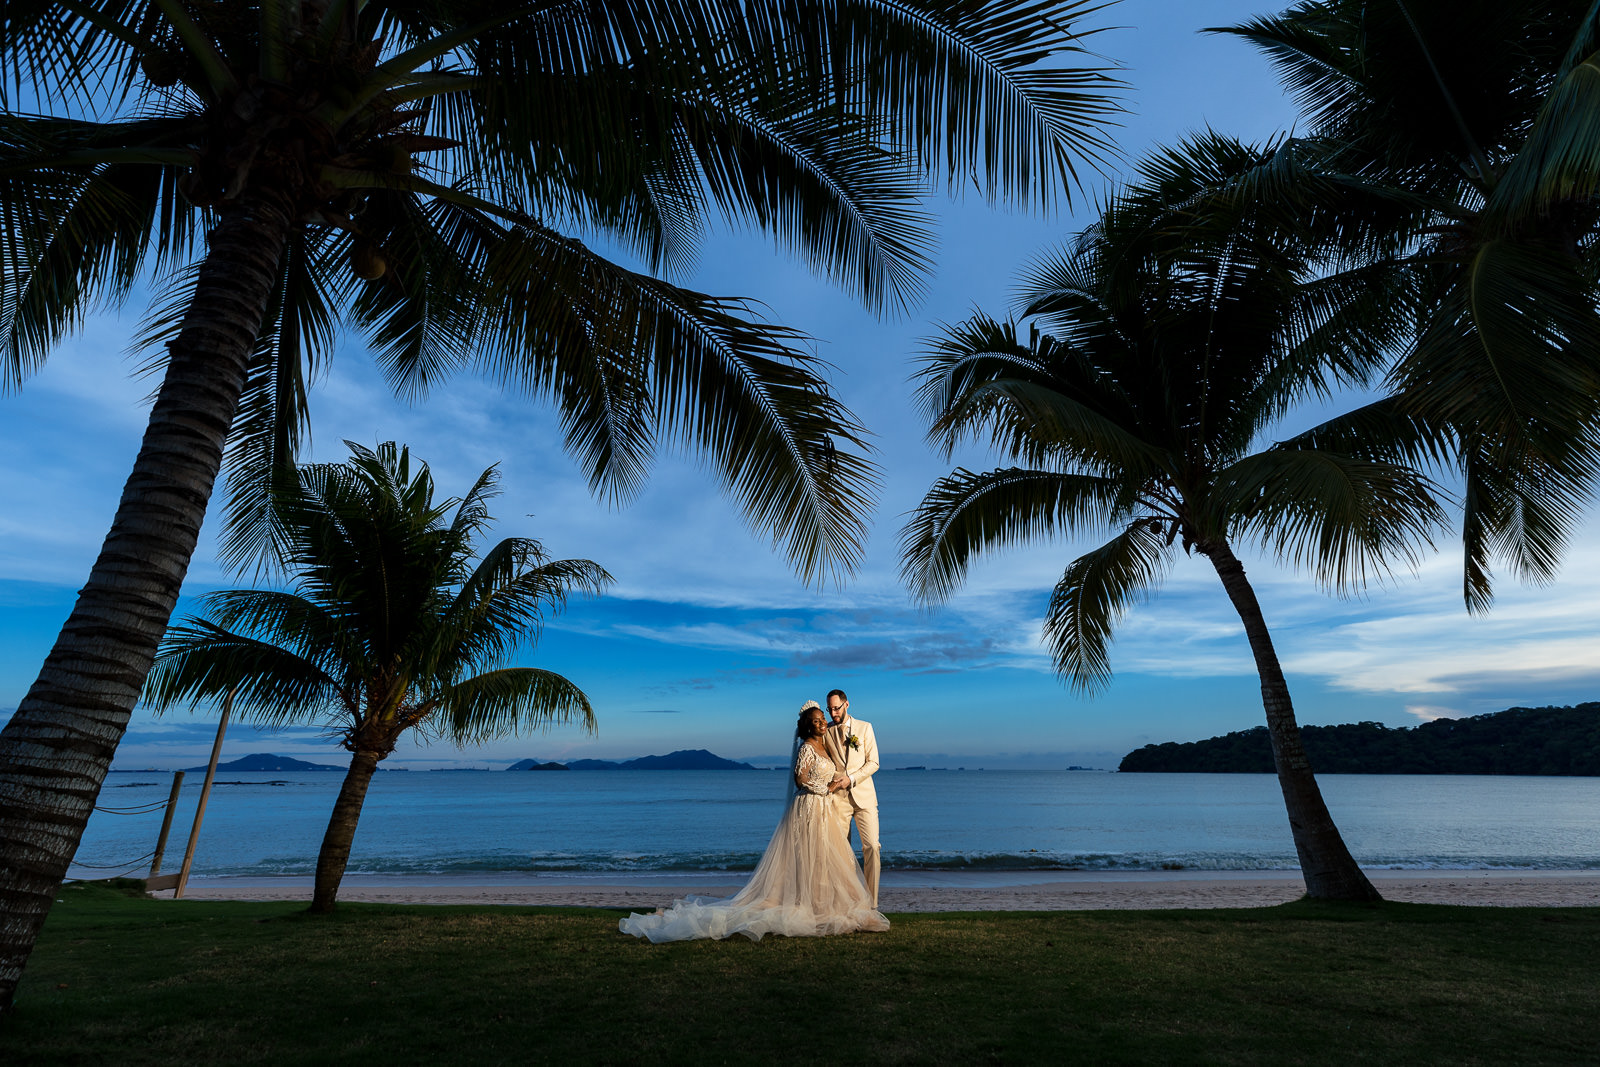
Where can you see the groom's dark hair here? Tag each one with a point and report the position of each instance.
(837, 693)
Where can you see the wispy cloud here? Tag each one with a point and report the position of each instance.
(929, 652)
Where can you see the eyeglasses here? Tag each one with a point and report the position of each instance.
(835, 707)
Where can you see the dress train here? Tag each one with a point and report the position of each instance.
(808, 883)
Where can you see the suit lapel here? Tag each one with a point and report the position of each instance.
(833, 741)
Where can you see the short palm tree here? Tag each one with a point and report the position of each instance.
(416, 170)
(1143, 412)
(1460, 139)
(396, 625)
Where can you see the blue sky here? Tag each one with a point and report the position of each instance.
(707, 639)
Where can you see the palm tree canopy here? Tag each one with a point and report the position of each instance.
(435, 156)
(1172, 349)
(418, 170)
(1444, 93)
(1461, 140)
(394, 622)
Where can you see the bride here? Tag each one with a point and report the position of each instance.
(808, 883)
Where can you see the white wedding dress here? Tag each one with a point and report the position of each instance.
(808, 883)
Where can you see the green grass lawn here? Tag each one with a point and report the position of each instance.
(125, 979)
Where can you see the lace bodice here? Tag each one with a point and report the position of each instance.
(812, 772)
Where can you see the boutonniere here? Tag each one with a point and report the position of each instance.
(852, 741)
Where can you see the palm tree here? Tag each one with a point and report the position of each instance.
(1172, 354)
(414, 170)
(397, 625)
(1461, 140)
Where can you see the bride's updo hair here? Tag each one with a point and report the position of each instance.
(803, 728)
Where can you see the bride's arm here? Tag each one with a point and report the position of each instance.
(805, 767)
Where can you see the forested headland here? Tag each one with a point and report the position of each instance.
(1563, 741)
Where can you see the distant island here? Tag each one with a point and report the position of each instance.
(689, 759)
(266, 761)
(1532, 741)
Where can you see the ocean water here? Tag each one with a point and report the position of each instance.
(455, 823)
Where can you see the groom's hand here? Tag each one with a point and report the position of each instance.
(838, 783)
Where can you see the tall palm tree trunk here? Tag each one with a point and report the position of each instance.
(335, 853)
(1330, 872)
(55, 751)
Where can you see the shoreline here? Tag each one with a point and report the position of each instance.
(937, 891)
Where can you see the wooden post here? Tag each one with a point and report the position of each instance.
(166, 823)
(205, 793)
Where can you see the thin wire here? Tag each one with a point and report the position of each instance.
(156, 806)
(129, 865)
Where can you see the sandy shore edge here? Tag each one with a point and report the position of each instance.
(1063, 891)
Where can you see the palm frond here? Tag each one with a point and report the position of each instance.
(623, 353)
(1343, 519)
(1343, 329)
(472, 511)
(744, 133)
(1298, 43)
(967, 514)
(1095, 591)
(978, 87)
(1512, 346)
(1560, 161)
(1521, 505)
(1405, 88)
(310, 629)
(497, 703)
(200, 662)
(274, 412)
(1040, 403)
(820, 182)
(1481, 515)
(963, 356)
(1584, 41)
(504, 601)
(1061, 289)
(426, 313)
(1383, 431)
(79, 52)
(76, 234)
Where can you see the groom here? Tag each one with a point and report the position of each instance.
(855, 752)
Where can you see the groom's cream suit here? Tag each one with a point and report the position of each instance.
(860, 800)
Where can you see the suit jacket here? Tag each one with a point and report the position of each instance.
(859, 763)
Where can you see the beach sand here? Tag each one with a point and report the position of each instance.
(955, 891)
